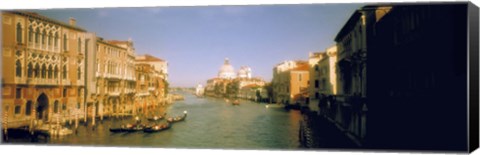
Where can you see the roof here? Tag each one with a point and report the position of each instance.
(302, 67)
(44, 18)
(251, 86)
(100, 40)
(147, 57)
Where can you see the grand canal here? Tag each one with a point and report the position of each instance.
(211, 123)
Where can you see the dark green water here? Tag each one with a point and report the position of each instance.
(211, 123)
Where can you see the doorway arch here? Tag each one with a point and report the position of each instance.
(42, 107)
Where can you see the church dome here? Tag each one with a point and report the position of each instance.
(226, 71)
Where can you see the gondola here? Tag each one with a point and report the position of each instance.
(157, 128)
(178, 118)
(135, 128)
(115, 130)
(156, 118)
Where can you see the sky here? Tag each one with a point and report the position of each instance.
(195, 40)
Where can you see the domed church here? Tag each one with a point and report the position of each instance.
(226, 71)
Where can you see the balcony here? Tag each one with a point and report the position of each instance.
(39, 81)
(142, 94)
(20, 80)
(98, 74)
(66, 82)
(80, 82)
(114, 93)
(113, 76)
(151, 88)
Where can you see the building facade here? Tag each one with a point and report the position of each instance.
(290, 78)
(47, 81)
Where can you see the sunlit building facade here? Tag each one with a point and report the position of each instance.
(115, 78)
(290, 79)
(43, 69)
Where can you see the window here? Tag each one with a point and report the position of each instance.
(37, 70)
(30, 34)
(78, 105)
(18, 68)
(29, 70)
(49, 43)
(44, 71)
(79, 73)
(37, 33)
(317, 95)
(55, 41)
(64, 106)
(55, 107)
(17, 109)
(28, 109)
(316, 83)
(299, 77)
(50, 70)
(55, 72)
(65, 42)
(64, 92)
(79, 48)
(19, 33)
(18, 93)
(44, 34)
(64, 73)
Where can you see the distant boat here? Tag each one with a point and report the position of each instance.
(199, 91)
(236, 102)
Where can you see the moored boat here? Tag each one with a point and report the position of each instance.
(178, 118)
(156, 118)
(157, 128)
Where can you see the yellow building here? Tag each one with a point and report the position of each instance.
(43, 68)
(290, 79)
(148, 89)
(115, 77)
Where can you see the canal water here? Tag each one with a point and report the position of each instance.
(211, 123)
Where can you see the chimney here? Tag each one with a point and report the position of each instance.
(72, 21)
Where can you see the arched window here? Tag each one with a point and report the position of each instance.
(30, 34)
(29, 70)
(64, 72)
(55, 72)
(55, 107)
(49, 40)
(44, 34)
(65, 42)
(37, 71)
(50, 70)
(44, 71)
(37, 33)
(18, 68)
(79, 45)
(55, 41)
(19, 33)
